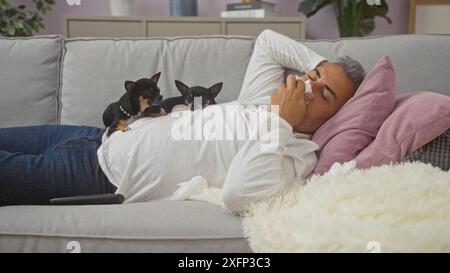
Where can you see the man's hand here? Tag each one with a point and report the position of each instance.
(291, 100)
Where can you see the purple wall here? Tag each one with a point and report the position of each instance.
(322, 25)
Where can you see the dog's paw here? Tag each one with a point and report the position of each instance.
(154, 112)
(123, 128)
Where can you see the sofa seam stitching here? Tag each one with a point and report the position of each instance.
(114, 237)
(59, 86)
(246, 38)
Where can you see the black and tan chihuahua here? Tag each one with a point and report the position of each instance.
(140, 95)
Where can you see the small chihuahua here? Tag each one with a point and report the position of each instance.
(188, 96)
(140, 95)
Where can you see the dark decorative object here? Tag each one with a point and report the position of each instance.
(183, 7)
(436, 152)
(355, 18)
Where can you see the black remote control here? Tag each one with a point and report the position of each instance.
(101, 199)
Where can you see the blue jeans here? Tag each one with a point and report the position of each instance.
(38, 163)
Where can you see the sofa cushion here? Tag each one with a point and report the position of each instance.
(94, 70)
(29, 77)
(159, 226)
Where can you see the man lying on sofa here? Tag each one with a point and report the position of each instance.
(38, 163)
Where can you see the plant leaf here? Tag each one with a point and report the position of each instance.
(311, 7)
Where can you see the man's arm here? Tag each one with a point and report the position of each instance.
(258, 171)
(273, 52)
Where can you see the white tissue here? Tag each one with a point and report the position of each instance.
(308, 86)
(188, 188)
(345, 168)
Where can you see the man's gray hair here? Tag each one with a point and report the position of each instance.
(355, 71)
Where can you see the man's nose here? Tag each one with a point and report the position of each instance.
(317, 86)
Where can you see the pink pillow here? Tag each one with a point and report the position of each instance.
(356, 124)
(418, 118)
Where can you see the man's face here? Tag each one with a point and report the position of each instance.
(332, 88)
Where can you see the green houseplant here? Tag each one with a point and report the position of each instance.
(355, 18)
(21, 20)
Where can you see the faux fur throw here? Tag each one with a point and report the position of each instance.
(392, 208)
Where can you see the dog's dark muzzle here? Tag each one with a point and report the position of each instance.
(157, 100)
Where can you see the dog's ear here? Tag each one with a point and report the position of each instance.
(215, 89)
(130, 86)
(183, 88)
(155, 78)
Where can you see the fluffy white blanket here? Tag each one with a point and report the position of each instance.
(392, 208)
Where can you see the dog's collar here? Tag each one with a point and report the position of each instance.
(125, 112)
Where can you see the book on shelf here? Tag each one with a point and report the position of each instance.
(250, 13)
(250, 1)
(256, 5)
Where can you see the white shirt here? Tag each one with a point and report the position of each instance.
(148, 162)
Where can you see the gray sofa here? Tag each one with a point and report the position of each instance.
(51, 80)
